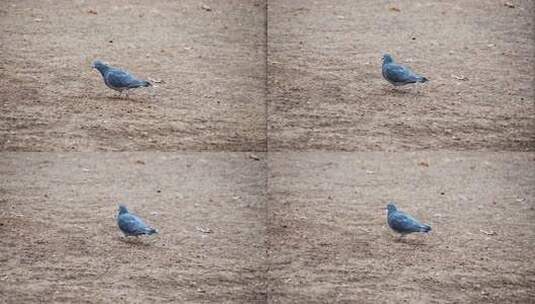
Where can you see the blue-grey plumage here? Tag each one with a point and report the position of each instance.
(118, 79)
(131, 225)
(398, 74)
(403, 223)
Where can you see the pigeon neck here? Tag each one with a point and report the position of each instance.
(123, 210)
(102, 69)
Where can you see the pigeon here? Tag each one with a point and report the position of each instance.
(403, 223)
(398, 74)
(118, 79)
(131, 225)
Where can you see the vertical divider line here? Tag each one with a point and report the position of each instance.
(266, 157)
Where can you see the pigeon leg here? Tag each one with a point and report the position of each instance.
(398, 90)
(125, 238)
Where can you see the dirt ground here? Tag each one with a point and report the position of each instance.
(317, 236)
(326, 90)
(267, 176)
(329, 242)
(212, 63)
(60, 242)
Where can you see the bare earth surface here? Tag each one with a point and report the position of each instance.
(326, 89)
(329, 241)
(212, 64)
(303, 224)
(60, 242)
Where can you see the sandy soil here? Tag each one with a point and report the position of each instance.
(329, 243)
(212, 63)
(302, 223)
(326, 90)
(317, 235)
(60, 242)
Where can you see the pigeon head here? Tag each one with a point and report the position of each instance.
(122, 209)
(387, 58)
(99, 65)
(391, 207)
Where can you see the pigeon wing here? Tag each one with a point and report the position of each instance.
(121, 79)
(403, 222)
(398, 73)
(131, 224)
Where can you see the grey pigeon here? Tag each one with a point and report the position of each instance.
(131, 225)
(403, 223)
(118, 79)
(398, 74)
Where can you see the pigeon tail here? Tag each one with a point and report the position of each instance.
(139, 83)
(423, 79)
(425, 228)
(151, 231)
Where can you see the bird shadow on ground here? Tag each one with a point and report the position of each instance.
(397, 91)
(411, 242)
(134, 241)
(120, 98)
